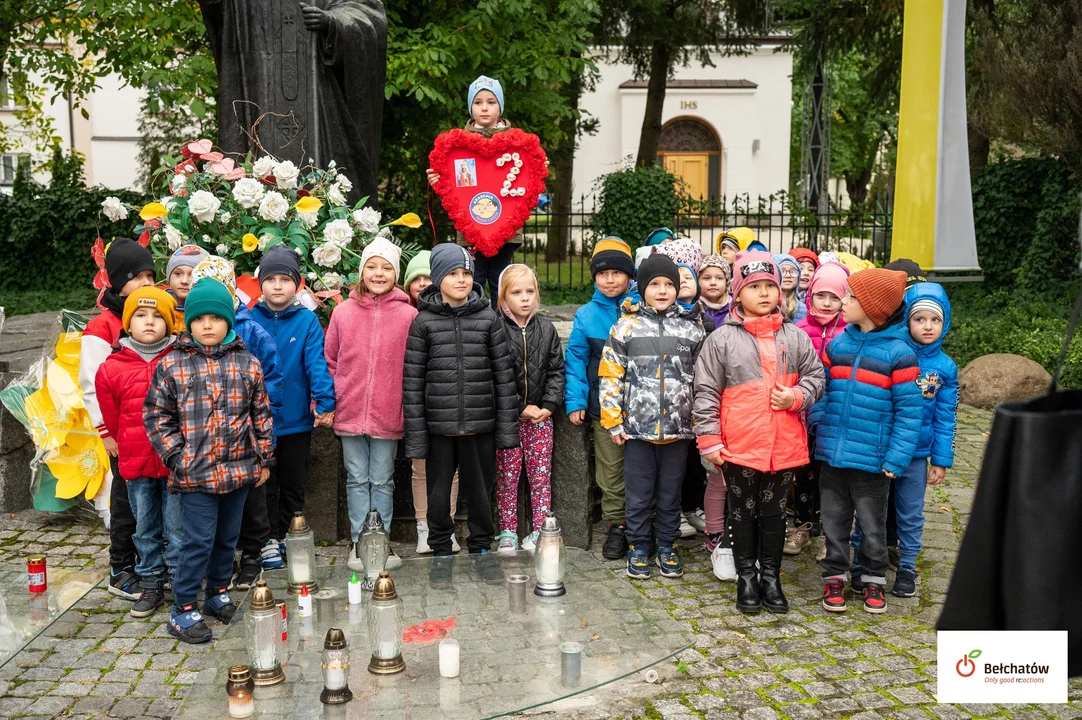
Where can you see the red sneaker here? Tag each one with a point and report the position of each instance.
(874, 600)
(834, 597)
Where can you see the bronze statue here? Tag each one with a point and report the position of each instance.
(301, 66)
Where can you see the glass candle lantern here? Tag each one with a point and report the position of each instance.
(240, 688)
(549, 560)
(385, 628)
(263, 633)
(374, 546)
(335, 669)
(301, 551)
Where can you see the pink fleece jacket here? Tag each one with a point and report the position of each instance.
(366, 350)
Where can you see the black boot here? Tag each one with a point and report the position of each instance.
(745, 553)
(771, 544)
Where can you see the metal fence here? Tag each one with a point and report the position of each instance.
(558, 245)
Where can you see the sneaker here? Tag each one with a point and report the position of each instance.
(220, 605)
(271, 556)
(668, 559)
(125, 584)
(250, 570)
(724, 567)
(487, 566)
(905, 583)
(797, 539)
(697, 520)
(615, 547)
(874, 600)
(439, 572)
(821, 553)
(529, 543)
(854, 579)
(686, 530)
(422, 538)
(455, 547)
(187, 624)
(507, 542)
(149, 600)
(393, 561)
(354, 562)
(834, 596)
(638, 565)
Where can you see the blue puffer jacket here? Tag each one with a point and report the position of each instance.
(259, 342)
(299, 337)
(590, 331)
(869, 418)
(938, 382)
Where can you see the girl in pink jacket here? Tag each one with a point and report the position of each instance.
(824, 300)
(366, 350)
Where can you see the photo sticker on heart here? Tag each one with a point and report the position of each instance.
(488, 186)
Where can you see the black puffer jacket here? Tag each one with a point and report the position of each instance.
(539, 363)
(459, 378)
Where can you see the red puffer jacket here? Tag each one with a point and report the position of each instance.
(122, 384)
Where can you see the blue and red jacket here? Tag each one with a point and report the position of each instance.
(937, 382)
(870, 416)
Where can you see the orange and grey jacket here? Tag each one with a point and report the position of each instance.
(737, 369)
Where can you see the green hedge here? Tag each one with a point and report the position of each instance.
(46, 233)
(633, 203)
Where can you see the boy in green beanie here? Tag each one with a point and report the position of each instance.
(208, 417)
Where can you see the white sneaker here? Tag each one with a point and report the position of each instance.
(529, 543)
(422, 538)
(724, 567)
(355, 562)
(393, 561)
(454, 544)
(697, 519)
(507, 543)
(686, 530)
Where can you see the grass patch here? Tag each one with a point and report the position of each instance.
(28, 302)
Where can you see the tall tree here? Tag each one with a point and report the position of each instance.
(656, 36)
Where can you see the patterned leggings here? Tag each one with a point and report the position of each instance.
(537, 450)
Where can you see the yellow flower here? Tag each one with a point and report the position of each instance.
(153, 210)
(308, 205)
(249, 242)
(79, 465)
(48, 424)
(409, 220)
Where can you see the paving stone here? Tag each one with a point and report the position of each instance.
(872, 700)
(802, 712)
(821, 689)
(133, 661)
(94, 705)
(32, 689)
(112, 690)
(48, 706)
(121, 675)
(129, 707)
(979, 709)
(910, 696)
(162, 708)
(41, 673)
(72, 689)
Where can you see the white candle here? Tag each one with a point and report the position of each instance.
(354, 590)
(241, 707)
(301, 570)
(304, 606)
(336, 678)
(449, 658)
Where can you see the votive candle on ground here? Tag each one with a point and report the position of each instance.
(449, 658)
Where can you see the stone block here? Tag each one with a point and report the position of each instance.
(573, 480)
(325, 501)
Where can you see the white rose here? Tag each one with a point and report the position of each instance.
(226, 217)
(286, 173)
(263, 240)
(248, 192)
(203, 205)
(330, 281)
(274, 207)
(178, 182)
(221, 249)
(339, 232)
(327, 254)
(332, 165)
(335, 196)
(345, 183)
(113, 209)
(263, 167)
(310, 219)
(312, 276)
(368, 219)
(173, 237)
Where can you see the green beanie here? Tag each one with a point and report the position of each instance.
(417, 267)
(209, 297)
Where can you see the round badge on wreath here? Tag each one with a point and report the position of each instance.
(488, 186)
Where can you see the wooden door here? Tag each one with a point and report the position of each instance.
(694, 170)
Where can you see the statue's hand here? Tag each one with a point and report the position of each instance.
(315, 19)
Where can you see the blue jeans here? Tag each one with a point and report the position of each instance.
(157, 527)
(211, 529)
(909, 490)
(369, 479)
(653, 472)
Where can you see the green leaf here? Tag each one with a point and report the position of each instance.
(975, 654)
(248, 221)
(198, 108)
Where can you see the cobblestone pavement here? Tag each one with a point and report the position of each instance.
(98, 662)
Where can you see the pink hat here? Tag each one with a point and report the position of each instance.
(752, 265)
(830, 277)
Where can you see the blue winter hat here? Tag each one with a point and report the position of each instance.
(485, 83)
(786, 259)
(657, 236)
(695, 277)
(756, 245)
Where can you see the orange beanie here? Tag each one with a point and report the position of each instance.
(880, 292)
(153, 298)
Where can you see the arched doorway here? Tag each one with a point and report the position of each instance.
(691, 150)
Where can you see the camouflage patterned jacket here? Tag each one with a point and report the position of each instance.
(646, 373)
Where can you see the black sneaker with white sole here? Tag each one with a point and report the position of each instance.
(150, 599)
(125, 584)
(250, 570)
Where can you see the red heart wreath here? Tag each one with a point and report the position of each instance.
(488, 186)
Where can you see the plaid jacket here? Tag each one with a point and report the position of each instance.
(208, 417)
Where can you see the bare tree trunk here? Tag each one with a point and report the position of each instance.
(660, 57)
(559, 240)
(980, 144)
(856, 185)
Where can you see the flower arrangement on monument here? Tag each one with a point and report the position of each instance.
(238, 210)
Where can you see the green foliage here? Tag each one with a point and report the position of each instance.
(46, 231)
(1026, 216)
(634, 202)
(1022, 323)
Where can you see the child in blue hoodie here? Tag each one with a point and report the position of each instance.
(612, 268)
(299, 337)
(867, 427)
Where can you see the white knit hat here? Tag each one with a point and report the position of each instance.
(382, 248)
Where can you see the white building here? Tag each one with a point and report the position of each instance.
(725, 131)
